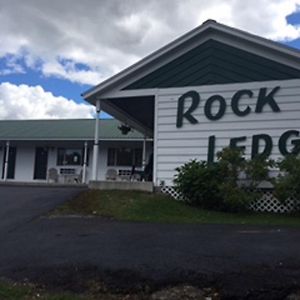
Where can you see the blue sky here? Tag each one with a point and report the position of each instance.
(294, 19)
(58, 86)
(66, 55)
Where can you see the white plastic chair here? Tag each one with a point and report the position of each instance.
(111, 174)
(52, 175)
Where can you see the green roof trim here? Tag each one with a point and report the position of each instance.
(214, 62)
(66, 129)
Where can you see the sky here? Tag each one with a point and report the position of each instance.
(52, 51)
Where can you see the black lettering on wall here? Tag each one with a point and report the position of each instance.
(188, 114)
(235, 103)
(283, 142)
(211, 149)
(234, 143)
(264, 99)
(256, 142)
(208, 107)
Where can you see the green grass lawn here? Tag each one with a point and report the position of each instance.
(148, 207)
(18, 291)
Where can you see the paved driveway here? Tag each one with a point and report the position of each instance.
(65, 251)
(21, 204)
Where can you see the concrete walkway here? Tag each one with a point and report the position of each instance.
(52, 250)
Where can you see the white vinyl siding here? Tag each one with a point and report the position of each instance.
(175, 146)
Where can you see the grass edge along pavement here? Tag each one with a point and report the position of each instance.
(27, 291)
(157, 208)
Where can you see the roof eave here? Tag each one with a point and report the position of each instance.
(146, 60)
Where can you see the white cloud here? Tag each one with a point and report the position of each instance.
(12, 66)
(109, 35)
(70, 72)
(33, 102)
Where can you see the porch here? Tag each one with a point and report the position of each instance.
(28, 156)
(69, 162)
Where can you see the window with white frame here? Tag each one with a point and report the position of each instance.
(69, 157)
(124, 157)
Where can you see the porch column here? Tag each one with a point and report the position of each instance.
(96, 142)
(6, 160)
(144, 154)
(84, 162)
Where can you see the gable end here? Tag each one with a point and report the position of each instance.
(214, 62)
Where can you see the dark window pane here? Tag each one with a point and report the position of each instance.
(124, 157)
(60, 156)
(73, 156)
(69, 157)
(111, 154)
(138, 157)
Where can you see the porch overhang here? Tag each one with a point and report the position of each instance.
(135, 111)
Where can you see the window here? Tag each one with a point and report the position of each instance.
(124, 157)
(111, 157)
(69, 157)
(138, 157)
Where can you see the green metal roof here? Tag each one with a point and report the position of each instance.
(66, 129)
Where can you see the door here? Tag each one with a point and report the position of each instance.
(11, 162)
(41, 163)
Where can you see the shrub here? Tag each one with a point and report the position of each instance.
(218, 186)
(235, 198)
(232, 164)
(287, 184)
(257, 170)
(198, 183)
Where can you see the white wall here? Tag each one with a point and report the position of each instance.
(24, 162)
(175, 146)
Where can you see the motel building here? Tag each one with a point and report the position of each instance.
(214, 87)
(61, 151)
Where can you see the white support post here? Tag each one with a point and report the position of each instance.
(144, 154)
(154, 179)
(6, 160)
(84, 162)
(96, 142)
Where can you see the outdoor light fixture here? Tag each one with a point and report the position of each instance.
(124, 129)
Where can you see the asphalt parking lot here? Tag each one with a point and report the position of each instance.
(53, 250)
(22, 204)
